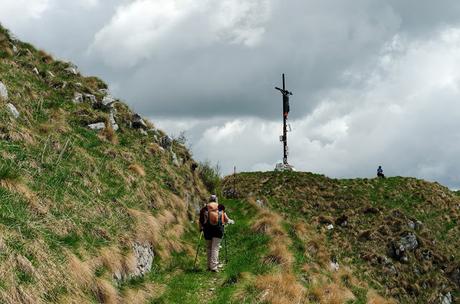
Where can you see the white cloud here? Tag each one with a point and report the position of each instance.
(143, 28)
(15, 13)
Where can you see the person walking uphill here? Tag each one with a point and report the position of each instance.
(212, 221)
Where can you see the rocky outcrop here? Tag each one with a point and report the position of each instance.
(144, 255)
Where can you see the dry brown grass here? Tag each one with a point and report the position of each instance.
(270, 224)
(112, 259)
(374, 298)
(330, 294)
(137, 169)
(280, 288)
(148, 228)
(106, 292)
(81, 273)
(109, 134)
(143, 295)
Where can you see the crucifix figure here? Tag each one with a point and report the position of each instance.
(283, 137)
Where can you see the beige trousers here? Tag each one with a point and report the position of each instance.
(213, 253)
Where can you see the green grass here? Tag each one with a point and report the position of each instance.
(245, 250)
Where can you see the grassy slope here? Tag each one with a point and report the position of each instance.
(73, 200)
(378, 212)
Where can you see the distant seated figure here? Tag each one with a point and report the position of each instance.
(380, 172)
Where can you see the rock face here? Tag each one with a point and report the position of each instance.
(144, 259)
(3, 91)
(12, 109)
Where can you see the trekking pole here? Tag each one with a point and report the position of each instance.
(225, 244)
(197, 250)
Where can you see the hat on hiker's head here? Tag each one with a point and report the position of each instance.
(213, 198)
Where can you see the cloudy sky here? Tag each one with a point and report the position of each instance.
(375, 82)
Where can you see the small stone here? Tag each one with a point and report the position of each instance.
(108, 101)
(411, 224)
(92, 99)
(211, 289)
(3, 91)
(35, 70)
(143, 132)
(175, 159)
(138, 122)
(12, 109)
(335, 266)
(77, 98)
(166, 142)
(409, 241)
(113, 123)
(97, 126)
(51, 74)
(72, 69)
(330, 227)
(446, 299)
(15, 49)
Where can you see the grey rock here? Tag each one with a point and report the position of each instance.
(137, 122)
(97, 126)
(411, 224)
(144, 255)
(143, 132)
(112, 121)
(409, 241)
(77, 98)
(175, 160)
(445, 299)
(107, 101)
(260, 203)
(398, 250)
(12, 109)
(3, 91)
(166, 142)
(15, 49)
(280, 167)
(72, 69)
(91, 98)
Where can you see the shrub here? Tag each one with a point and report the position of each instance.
(210, 175)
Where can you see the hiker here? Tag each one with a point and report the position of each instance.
(380, 172)
(212, 221)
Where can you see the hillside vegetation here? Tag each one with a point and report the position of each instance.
(399, 235)
(82, 211)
